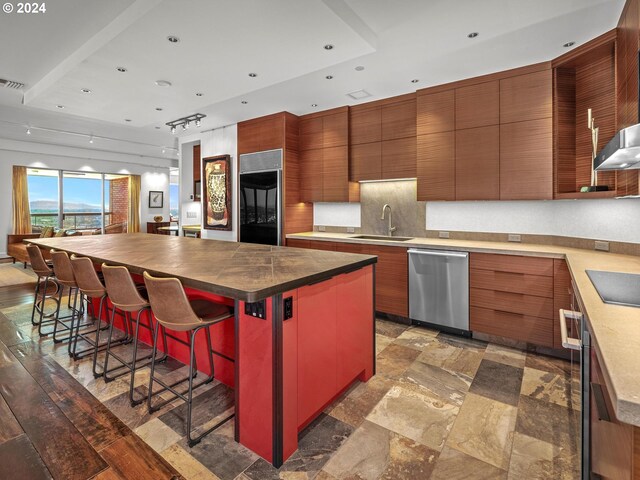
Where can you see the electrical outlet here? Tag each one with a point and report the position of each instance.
(514, 237)
(603, 246)
(443, 234)
(351, 230)
(322, 228)
(192, 214)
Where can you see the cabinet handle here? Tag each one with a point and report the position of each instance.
(601, 405)
(570, 343)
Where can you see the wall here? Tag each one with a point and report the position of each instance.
(611, 219)
(190, 211)
(154, 175)
(221, 141)
(119, 199)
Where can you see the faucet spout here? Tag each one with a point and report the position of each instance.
(390, 227)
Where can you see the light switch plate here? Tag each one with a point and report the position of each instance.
(192, 214)
(603, 246)
(322, 228)
(514, 237)
(443, 234)
(351, 230)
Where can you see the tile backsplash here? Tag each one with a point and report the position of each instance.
(408, 214)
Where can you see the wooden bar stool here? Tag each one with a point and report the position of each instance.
(174, 311)
(125, 297)
(64, 276)
(46, 279)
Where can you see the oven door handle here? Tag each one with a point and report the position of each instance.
(568, 342)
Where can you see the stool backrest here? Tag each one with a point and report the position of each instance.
(169, 302)
(86, 277)
(36, 259)
(62, 268)
(121, 289)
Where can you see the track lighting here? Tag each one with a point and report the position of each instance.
(185, 122)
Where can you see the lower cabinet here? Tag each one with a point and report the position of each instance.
(392, 282)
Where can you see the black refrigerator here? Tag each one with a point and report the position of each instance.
(260, 198)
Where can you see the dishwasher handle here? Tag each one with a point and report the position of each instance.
(568, 342)
(439, 254)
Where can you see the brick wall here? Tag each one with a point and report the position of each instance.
(119, 200)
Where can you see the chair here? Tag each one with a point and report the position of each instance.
(45, 278)
(174, 312)
(64, 276)
(125, 297)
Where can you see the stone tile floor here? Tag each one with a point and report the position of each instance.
(440, 407)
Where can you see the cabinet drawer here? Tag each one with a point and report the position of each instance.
(351, 248)
(525, 328)
(512, 263)
(536, 285)
(297, 243)
(321, 245)
(512, 302)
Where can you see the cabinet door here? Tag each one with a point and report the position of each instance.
(399, 158)
(478, 105)
(366, 162)
(391, 280)
(436, 166)
(322, 245)
(197, 167)
(297, 243)
(526, 160)
(435, 112)
(335, 130)
(526, 97)
(248, 137)
(335, 174)
(366, 126)
(352, 248)
(310, 133)
(311, 175)
(399, 120)
(272, 133)
(477, 166)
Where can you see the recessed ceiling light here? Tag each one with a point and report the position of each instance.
(569, 44)
(163, 83)
(473, 35)
(314, 104)
(85, 90)
(199, 94)
(159, 109)
(359, 68)
(121, 69)
(91, 139)
(244, 102)
(415, 80)
(60, 106)
(173, 39)
(28, 131)
(328, 46)
(127, 119)
(329, 77)
(253, 75)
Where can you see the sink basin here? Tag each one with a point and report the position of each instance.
(382, 237)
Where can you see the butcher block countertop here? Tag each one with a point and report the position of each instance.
(242, 271)
(615, 328)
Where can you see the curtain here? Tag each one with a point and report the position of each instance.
(20, 201)
(133, 224)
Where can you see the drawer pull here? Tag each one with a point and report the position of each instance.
(601, 405)
(567, 342)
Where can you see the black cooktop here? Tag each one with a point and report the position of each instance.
(617, 288)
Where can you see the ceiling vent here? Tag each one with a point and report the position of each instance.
(359, 95)
(11, 84)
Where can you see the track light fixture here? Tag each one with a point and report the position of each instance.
(185, 122)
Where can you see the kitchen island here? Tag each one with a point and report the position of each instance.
(303, 328)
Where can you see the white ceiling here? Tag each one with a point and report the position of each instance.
(79, 44)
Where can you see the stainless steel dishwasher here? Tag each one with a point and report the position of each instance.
(439, 289)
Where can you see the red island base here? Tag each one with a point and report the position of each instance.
(310, 345)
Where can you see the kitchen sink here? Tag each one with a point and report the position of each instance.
(382, 237)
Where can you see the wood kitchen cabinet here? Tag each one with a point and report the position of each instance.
(399, 158)
(365, 162)
(436, 167)
(197, 172)
(477, 163)
(477, 105)
(435, 112)
(365, 124)
(526, 97)
(324, 157)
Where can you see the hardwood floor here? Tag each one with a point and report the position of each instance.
(51, 426)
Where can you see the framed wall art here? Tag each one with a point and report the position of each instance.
(216, 201)
(156, 199)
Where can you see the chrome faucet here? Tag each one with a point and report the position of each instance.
(390, 228)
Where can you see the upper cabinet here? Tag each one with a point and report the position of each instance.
(263, 133)
(470, 146)
(382, 139)
(324, 157)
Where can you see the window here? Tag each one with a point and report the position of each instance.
(78, 200)
(174, 193)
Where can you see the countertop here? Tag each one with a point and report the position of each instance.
(615, 328)
(242, 271)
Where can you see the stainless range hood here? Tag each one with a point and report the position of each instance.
(622, 152)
